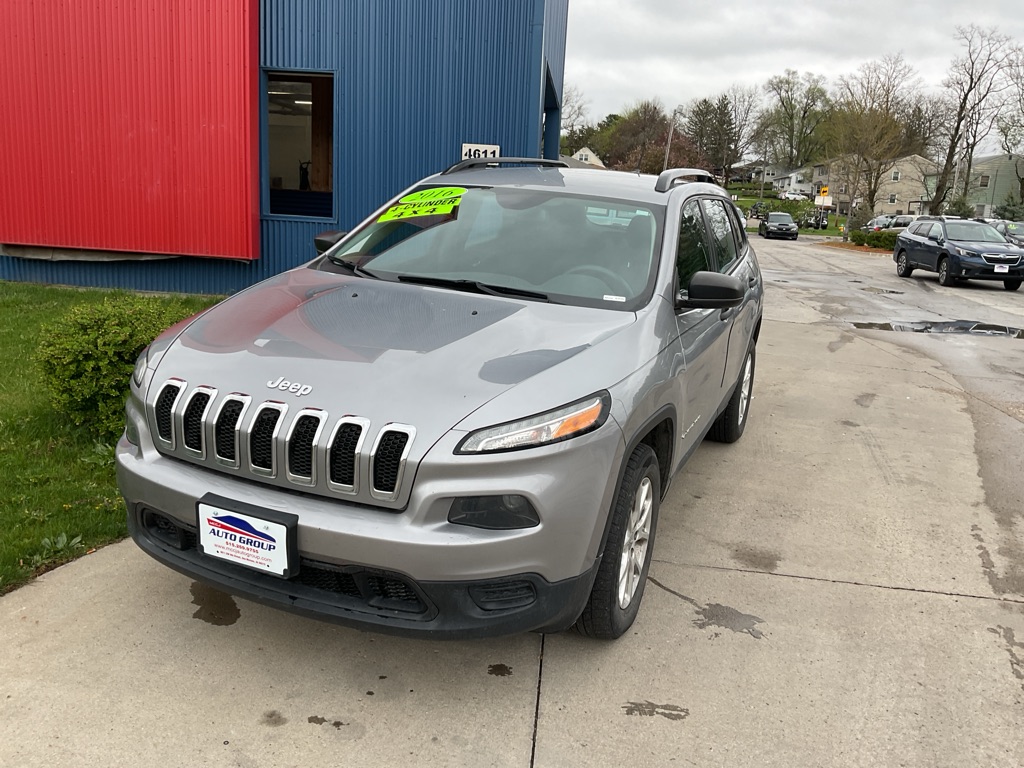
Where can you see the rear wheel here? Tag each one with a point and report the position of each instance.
(1011, 285)
(728, 428)
(621, 576)
(945, 278)
(903, 268)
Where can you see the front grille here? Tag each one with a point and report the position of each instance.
(328, 581)
(164, 410)
(1000, 258)
(267, 442)
(192, 423)
(343, 454)
(224, 429)
(387, 461)
(261, 439)
(300, 446)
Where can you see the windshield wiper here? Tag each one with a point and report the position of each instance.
(474, 286)
(354, 268)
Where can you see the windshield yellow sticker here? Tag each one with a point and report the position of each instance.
(426, 202)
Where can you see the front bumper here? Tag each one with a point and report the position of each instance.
(369, 598)
(971, 268)
(356, 560)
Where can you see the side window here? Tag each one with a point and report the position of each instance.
(933, 231)
(693, 251)
(722, 232)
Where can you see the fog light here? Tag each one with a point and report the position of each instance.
(496, 513)
(131, 432)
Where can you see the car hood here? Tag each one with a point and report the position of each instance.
(389, 352)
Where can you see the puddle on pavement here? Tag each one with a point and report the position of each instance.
(215, 607)
(956, 326)
(872, 289)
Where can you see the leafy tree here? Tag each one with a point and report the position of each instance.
(959, 206)
(1012, 208)
(637, 140)
(797, 107)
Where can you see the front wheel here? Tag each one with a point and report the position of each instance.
(621, 577)
(945, 278)
(903, 268)
(728, 428)
(1011, 285)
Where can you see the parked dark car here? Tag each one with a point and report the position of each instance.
(959, 249)
(1013, 231)
(778, 225)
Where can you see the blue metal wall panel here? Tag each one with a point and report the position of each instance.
(556, 28)
(414, 80)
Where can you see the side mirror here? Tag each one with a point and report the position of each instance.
(712, 290)
(326, 240)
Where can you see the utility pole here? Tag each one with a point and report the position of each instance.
(668, 144)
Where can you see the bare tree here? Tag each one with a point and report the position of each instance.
(867, 128)
(973, 82)
(574, 109)
(745, 102)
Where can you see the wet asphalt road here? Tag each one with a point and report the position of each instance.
(843, 586)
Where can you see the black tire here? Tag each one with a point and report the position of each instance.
(604, 617)
(1011, 285)
(903, 268)
(728, 428)
(945, 278)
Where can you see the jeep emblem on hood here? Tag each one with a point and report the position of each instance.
(290, 386)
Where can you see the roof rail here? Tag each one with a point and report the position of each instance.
(478, 162)
(668, 178)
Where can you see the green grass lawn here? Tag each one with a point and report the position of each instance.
(58, 498)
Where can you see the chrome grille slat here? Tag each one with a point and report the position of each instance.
(263, 438)
(271, 443)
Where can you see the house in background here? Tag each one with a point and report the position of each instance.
(199, 146)
(798, 180)
(902, 188)
(993, 179)
(588, 156)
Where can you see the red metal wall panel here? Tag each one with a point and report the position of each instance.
(130, 125)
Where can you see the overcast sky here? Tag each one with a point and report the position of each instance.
(679, 50)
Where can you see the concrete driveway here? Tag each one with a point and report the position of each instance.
(844, 586)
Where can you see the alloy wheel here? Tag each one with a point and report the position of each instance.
(634, 546)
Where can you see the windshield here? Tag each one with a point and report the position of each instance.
(973, 231)
(533, 244)
(780, 218)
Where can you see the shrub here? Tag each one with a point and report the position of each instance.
(882, 239)
(86, 357)
(858, 237)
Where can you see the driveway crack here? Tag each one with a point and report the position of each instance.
(536, 707)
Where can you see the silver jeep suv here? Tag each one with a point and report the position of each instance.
(459, 420)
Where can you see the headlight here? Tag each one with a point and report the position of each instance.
(964, 252)
(139, 373)
(554, 426)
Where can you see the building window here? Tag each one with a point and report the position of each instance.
(983, 182)
(892, 199)
(842, 189)
(895, 176)
(300, 144)
(821, 170)
(585, 158)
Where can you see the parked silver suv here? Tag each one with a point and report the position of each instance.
(461, 419)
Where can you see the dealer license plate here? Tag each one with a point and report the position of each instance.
(1002, 267)
(252, 540)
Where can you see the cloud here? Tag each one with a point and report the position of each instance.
(675, 51)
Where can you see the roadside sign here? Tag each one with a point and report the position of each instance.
(824, 191)
(825, 201)
(475, 151)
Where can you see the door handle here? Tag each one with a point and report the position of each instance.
(752, 281)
